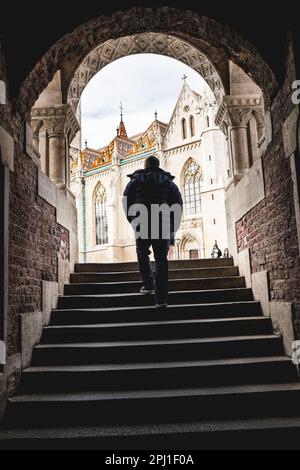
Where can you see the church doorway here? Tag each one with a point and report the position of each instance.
(194, 254)
(190, 248)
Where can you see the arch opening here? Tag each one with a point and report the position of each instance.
(238, 146)
(152, 43)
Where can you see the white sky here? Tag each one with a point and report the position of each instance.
(144, 83)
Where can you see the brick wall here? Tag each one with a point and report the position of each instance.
(35, 242)
(269, 230)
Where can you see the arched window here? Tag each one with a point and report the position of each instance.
(192, 126)
(183, 125)
(192, 188)
(207, 121)
(101, 224)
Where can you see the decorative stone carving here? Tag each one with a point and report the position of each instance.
(154, 43)
(233, 117)
(61, 126)
(57, 120)
(236, 110)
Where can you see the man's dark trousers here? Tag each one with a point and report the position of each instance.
(160, 250)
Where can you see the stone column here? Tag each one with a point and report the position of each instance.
(61, 126)
(234, 115)
(35, 143)
(57, 160)
(239, 139)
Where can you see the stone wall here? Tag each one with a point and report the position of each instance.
(270, 229)
(36, 239)
(41, 224)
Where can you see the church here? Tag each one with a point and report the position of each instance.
(191, 147)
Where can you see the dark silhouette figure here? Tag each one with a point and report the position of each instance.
(152, 188)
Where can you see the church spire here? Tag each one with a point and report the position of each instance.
(122, 129)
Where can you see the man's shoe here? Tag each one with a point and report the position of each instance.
(161, 306)
(146, 291)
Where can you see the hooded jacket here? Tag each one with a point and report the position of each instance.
(152, 186)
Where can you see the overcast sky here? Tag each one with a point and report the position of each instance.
(144, 83)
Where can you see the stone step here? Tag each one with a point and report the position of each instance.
(141, 376)
(156, 351)
(154, 406)
(273, 433)
(187, 273)
(174, 285)
(133, 266)
(156, 330)
(149, 313)
(135, 299)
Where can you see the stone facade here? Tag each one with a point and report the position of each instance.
(201, 152)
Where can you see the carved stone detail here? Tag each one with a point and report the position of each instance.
(233, 117)
(154, 43)
(57, 120)
(236, 110)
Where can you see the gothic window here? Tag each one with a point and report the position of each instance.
(192, 126)
(101, 216)
(207, 121)
(192, 188)
(184, 132)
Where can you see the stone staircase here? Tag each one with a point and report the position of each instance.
(111, 372)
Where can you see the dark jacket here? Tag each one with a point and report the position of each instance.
(152, 186)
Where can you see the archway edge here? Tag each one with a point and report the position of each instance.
(149, 43)
(69, 51)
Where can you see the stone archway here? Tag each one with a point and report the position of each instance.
(219, 42)
(208, 47)
(189, 247)
(55, 209)
(145, 43)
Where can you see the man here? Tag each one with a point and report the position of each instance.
(153, 205)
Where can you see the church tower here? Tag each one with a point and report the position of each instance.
(122, 129)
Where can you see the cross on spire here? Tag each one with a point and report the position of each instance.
(121, 110)
(121, 132)
(184, 78)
